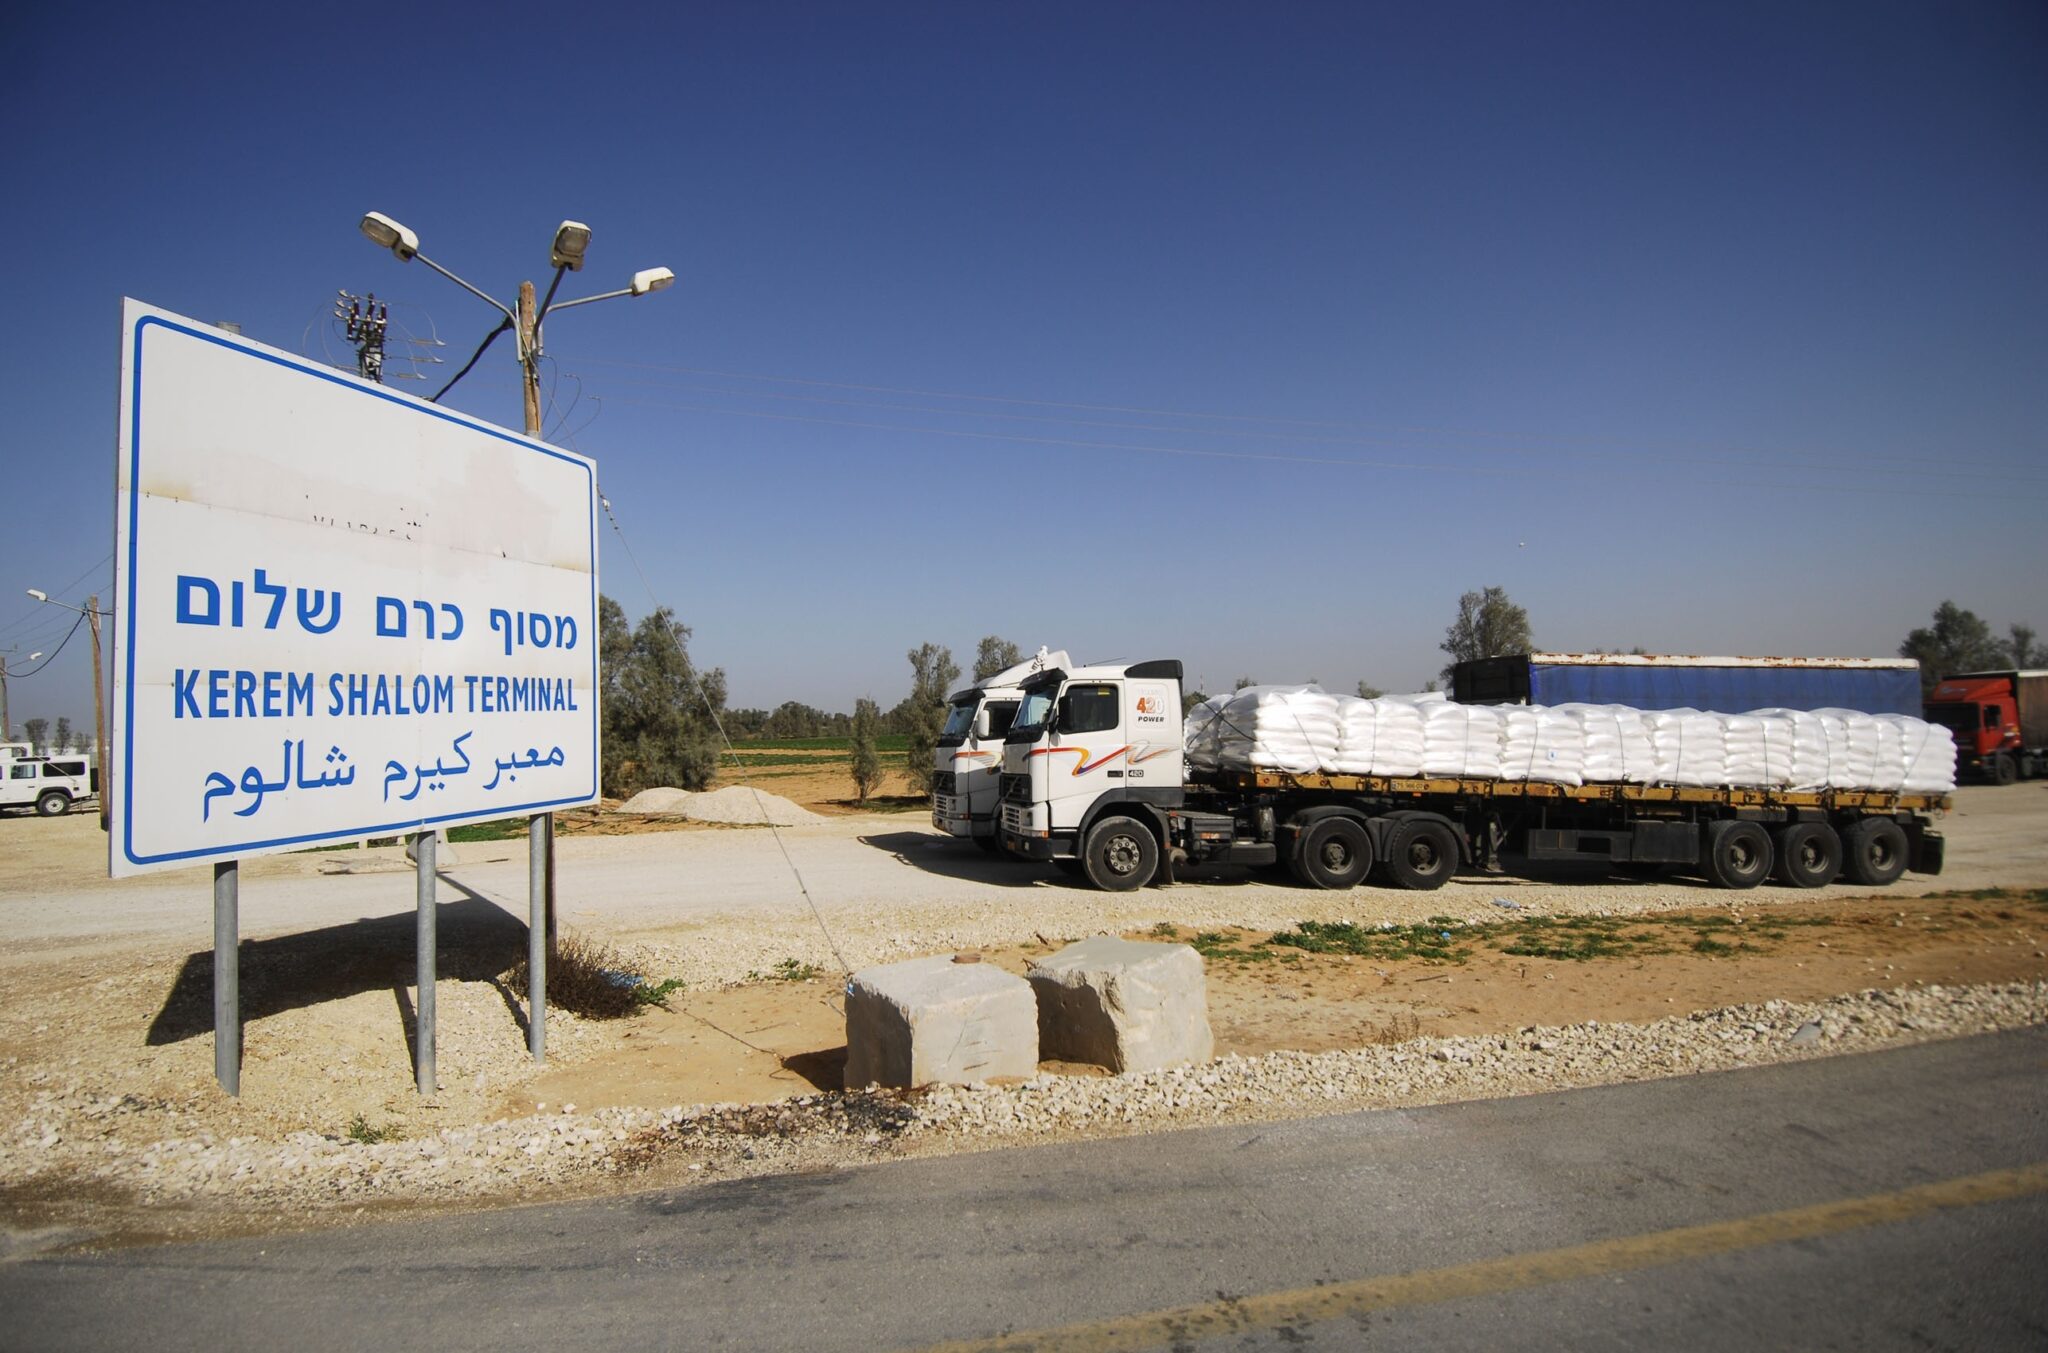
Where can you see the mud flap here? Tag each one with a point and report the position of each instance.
(1929, 850)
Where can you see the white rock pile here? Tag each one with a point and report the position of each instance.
(734, 803)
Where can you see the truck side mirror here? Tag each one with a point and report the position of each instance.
(981, 725)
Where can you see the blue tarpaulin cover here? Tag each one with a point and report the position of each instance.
(1728, 689)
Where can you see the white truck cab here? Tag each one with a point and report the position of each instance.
(49, 784)
(1092, 765)
(968, 761)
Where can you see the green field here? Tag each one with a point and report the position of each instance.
(887, 742)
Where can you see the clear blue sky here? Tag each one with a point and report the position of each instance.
(1247, 334)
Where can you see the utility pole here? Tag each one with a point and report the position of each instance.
(6, 728)
(366, 322)
(99, 716)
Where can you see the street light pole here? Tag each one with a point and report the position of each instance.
(7, 728)
(91, 612)
(572, 239)
(540, 830)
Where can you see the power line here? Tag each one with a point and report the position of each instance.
(1308, 439)
(1202, 453)
(62, 593)
(739, 766)
(1671, 447)
(53, 653)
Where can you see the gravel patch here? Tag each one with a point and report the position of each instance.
(69, 1131)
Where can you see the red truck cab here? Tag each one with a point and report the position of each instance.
(1999, 721)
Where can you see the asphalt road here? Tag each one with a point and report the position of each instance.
(1896, 1199)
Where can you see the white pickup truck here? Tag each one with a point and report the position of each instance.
(48, 784)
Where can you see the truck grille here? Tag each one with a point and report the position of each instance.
(1017, 788)
(943, 782)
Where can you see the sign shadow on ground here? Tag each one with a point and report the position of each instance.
(479, 940)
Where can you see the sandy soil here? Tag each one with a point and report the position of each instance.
(109, 983)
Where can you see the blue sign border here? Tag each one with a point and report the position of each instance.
(127, 843)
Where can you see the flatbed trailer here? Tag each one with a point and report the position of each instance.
(1416, 832)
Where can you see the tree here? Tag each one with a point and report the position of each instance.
(60, 741)
(1957, 642)
(658, 709)
(1368, 691)
(1488, 626)
(932, 674)
(1190, 699)
(34, 729)
(2024, 654)
(996, 654)
(1243, 682)
(867, 764)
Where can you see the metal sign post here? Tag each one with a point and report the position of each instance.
(227, 976)
(428, 969)
(540, 862)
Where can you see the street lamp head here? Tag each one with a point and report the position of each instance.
(389, 234)
(38, 594)
(571, 239)
(33, 656)
(652, 279)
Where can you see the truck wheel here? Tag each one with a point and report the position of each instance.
(53, 803)
(2004, 770)
(1120, 855)
(1874, 852)
(1738, 854)
(1334, 852)
(1809, 855)
(1422, 855)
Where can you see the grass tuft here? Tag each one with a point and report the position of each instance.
(589, 978)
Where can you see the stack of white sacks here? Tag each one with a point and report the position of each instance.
(1301, 730)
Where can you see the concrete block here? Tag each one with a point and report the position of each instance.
(1128, 1005)
(934, 1020)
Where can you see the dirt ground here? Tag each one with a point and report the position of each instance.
(97, 998)
(779, 1037)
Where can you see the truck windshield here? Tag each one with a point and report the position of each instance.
(1032, 714)
(1956, 718)
(959, 721)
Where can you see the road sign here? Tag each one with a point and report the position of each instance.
(341, 612)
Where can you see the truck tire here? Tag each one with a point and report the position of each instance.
(2004, 770)
(53, 803)
(1421, 855)
(1738, 854)
(1332, 852)
(1120, 855)
(1809, 855)
(1874, 852)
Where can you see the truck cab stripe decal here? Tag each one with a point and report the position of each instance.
(1084, 765)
